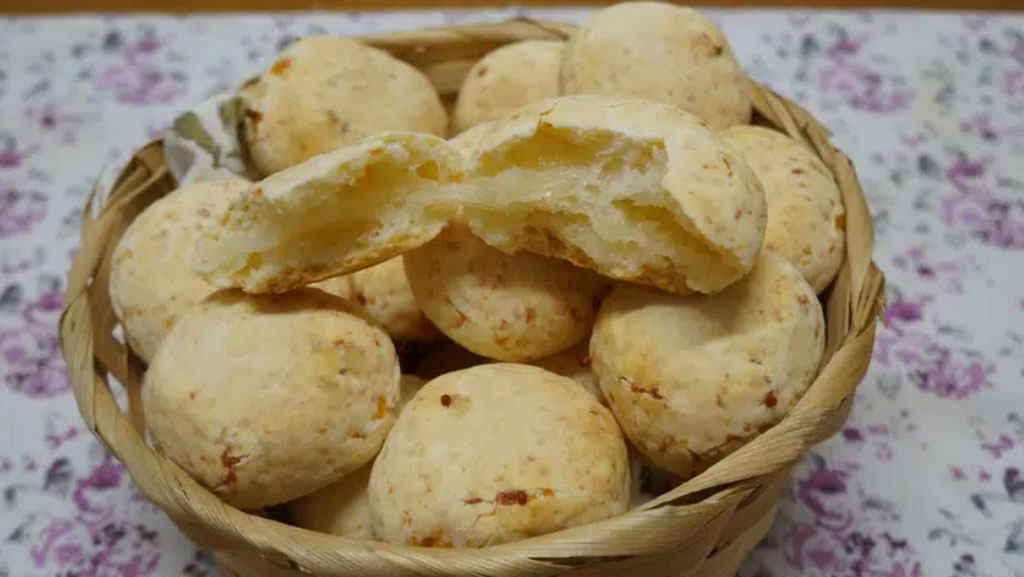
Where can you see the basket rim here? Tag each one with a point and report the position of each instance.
(857, 299)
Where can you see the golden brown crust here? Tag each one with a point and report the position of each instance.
(661, 52)
(505, 79)
(265, 399)
(478, 458)
(516, 307)
(690, 379)
(805, 209)
(383, 292)
(151, 279)
(324, 92)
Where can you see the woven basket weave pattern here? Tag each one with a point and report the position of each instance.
(704, 527)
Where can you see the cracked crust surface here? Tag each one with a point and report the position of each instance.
(690, 379)
(466, 141)
(265, 399)
(324, 92)
(637, 190)
(494, 454)
(334, 214)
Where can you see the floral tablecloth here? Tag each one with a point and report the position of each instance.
(926, 479)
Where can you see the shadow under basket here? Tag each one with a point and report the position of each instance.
(704, 527)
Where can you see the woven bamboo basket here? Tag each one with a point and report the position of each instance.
(704, 527)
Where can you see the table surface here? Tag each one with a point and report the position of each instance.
(40, 6)
(924, 481)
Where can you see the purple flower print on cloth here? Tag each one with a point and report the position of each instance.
(905, 310)
(141, 83)
(14, 264)
(31, 360)
(50, 117)
(927, 268)
(931, 366)
(20, 210)
(993, 220)
(139, 78)
(941, 371)
(96, 542)
(1013, 83)
(832, 540)
(866, 89)
(1009, 134)
(10, 155)
(925, 479)
(848, 74)
(999, 438)
(877, 438)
